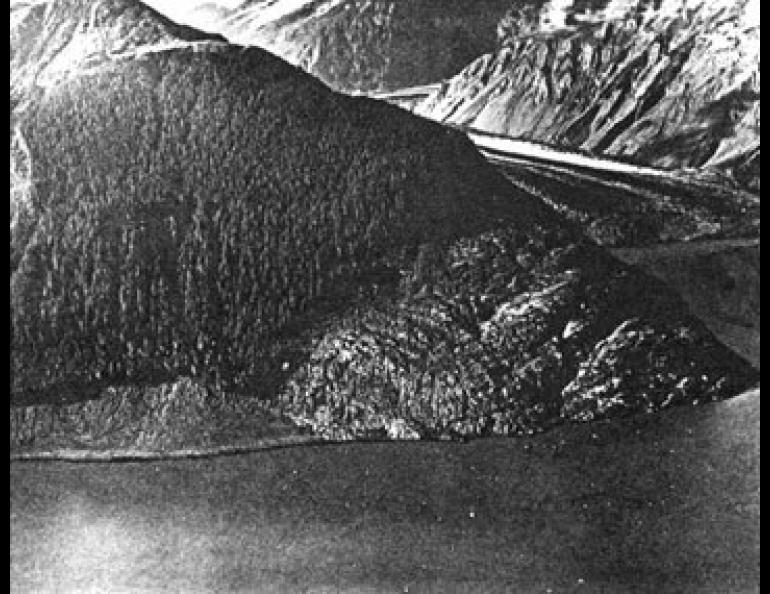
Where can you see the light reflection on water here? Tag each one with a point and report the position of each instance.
(677, 502)
(89, 542)
(79, 546)
(81, 550)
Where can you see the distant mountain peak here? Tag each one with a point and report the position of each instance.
(355, 45)
(671, 84)
(51, 38)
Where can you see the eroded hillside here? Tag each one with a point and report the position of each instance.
(670, 84)
(209, 227)
(50, 39)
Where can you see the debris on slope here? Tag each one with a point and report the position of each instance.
(617, 210)
(511, 338)
(720, 282)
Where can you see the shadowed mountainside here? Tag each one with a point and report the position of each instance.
(210, 212)
(720, 281)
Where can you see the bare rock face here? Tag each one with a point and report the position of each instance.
(671, 84)
(510, 337)
(52, 38)
(357, 45)
(21, 181)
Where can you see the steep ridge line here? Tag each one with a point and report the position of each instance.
(53, 38)
(355, 45)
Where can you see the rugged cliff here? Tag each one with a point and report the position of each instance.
(671, 84)
(357, 45)
(50, 39)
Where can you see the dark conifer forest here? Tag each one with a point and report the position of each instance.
(191, 203)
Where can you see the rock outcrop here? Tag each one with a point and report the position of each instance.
(510, 337)
(671, 84)
(51, 39)
(357, 45)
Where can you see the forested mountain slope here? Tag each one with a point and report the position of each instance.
(211, 212)
(53, 40)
